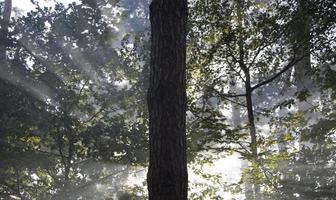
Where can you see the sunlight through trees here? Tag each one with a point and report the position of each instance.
(240, 95)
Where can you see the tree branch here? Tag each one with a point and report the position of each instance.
(228, 95)
(283, 70)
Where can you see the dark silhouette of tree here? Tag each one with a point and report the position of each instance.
(167, 175)
(6, 14)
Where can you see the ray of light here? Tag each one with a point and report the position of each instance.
(37, 89)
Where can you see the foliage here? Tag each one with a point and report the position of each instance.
(75, 113)
(73, 116)
(242, 47)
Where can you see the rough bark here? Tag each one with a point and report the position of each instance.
(167, 174)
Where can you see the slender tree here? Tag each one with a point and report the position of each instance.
(302, 43)
(167, 174)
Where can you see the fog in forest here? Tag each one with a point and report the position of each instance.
(261, 99)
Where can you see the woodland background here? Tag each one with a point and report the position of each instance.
(261, 79)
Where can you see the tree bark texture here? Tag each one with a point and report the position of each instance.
(167, 176)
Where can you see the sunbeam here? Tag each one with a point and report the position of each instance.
(36, 88)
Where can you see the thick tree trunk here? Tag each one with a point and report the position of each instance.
(167, 175)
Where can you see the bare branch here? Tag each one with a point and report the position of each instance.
(266, 45)
(95, 115)
(233, 101)
(228, 95)
(292, 63)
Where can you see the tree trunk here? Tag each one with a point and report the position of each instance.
(7, 11)
(253, 131)
(248, 90)
(302, 45)
(236, 122)
(167, 174)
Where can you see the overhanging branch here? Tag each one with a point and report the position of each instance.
(283, 70)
